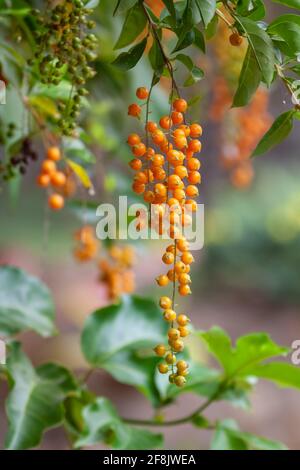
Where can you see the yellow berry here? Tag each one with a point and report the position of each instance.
(162, 280)
(181, 365)
(184, 279)
(183, 331)
(177, 345)
(184, 289)
(179, 381)
(165, 302)
(173, 333)
(169, 315)
(170, 358)
(168, 258)
(163, 368)
(160, 350)
(182, 319)
(187, 257)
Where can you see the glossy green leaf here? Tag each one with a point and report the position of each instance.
(249, 80)
(195, 75)
(75, 149)
(120, 338)
(35, 400)
(228, 437)
(128, 60)
(170, 6)
(250, 350)
(289, 3)
(103, 424)
(287, 27)
(25, 303)
(261, 45)
(207, 9)
(279, 130)
(199, 40)
(253, 9)
(134, 24)
(283, 374)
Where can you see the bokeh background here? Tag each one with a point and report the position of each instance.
(247, 275)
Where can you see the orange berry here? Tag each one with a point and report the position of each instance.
(193, 164)
(53, 153)
(165, 122)
(58, 179)
(56, 201)
(194, 177)
(135, 164)
(158, 159)
(151, 126)
(179, 194)
(173, 203)
(195, 130)
(160, 350)
(159, 173)
(184, 289)
(166, 146)
(171, 275)
(48, 167)
(179, 267)
(181, 171)
(192, 191)
(182, 244)
(168, 258)
(169, 315)
(173, 333)
(180, 105)
(149, 153)
(177, 117)
(184, 278)
(165, 302)
(181, 365)
(162, 280)
(43, 180)
(178, 345)
(180, 142)
(163, 368)
(195, 145)
(183, 331)
(160, 189)
(138, 188)
(174, 181)
(149, 196)
(185, 129)
(139, 149)
(142, 93)
(141, 177)
(190, 205)
(187, 257)
(134, 110)
(133, 139)
(235, 39)
(170, 358)
(158, 136)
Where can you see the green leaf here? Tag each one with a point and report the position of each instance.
(261, 45)
(195, 75)
(35, 401)
(279, 130)
(134, 24)
(92, 4)
(199, 40)
(14, 11)
(185, 33)
(207, 9)
(200, 421)
(289, 3)
(186, 39)
(128, 60)
(76, 149)
(228, 437)
(254, 9)
(285, 375)
(250, 350)
(287, 27)
(103, 424)
(170, 6)
(249, 80)
(25, 303)
(45, 105)
(81, 173)
(212, 27)
(185, 60)
(120, 337)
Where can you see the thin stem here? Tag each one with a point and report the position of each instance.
(223, 17)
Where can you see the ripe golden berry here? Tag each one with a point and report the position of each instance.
(172, 275)
(187, 257)
(192, 190)
(142, 93)
(180, 142)
(138, 188)
(181, 365)
(195, 145)
(162, 280)
(169, 315)
(170, 358)
(139, 150)
(160, 350)
(165, 302)
(168, 258)
(193, 164)
(53, 153)
(184, 289)
(183, 331)
(135, 164)
(179, 194)
(179, 381)
(134, 110)
(181, 171)
(43, 180)
(165, 122)
(178, 345)
(174, 181)
(56, 201)
(173, 333)
(158, 136)
(180, 105)
(194, 177)
(58, 179)
(160, 189)
(184, 278)
(151, 126)
(172, 378)
(235, 39)
(190, 205)
(195, 130)
(163, 368)
(180, 267)
(133, 139)
(182, 244)
(48, 167)
(149, 196)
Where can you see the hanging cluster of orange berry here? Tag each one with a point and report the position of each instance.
(115, 268)
(61, 184)
(241, 128)
(167, 175)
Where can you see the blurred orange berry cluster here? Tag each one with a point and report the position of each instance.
(61, 182)
(241, 128)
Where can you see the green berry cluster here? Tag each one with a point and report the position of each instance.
(65, 47)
